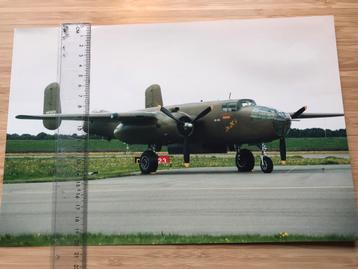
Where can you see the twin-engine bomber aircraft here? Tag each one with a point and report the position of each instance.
(205, 127)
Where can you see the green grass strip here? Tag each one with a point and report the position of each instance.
(29, 169)
(162, 238)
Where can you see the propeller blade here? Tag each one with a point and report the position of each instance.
(169, 114)
(202, 113)
(186, 152)
(298, 112)
(283, 150)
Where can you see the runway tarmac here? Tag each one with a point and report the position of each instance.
(294, 199)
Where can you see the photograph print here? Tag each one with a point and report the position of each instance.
(226, 131)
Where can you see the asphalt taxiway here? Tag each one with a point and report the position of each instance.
(295, 199)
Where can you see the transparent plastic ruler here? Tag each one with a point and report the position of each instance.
(70, 185)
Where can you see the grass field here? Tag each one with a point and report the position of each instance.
(97, 145)
(158, 239)
(41, 168)
(26, 160)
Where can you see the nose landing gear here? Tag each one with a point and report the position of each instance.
(266, 163)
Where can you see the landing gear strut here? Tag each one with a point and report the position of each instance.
(266, 163)
(245, 160)
(148, 162)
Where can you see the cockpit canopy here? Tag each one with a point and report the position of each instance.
(236, 105)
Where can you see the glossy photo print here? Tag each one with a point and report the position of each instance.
(199, 132)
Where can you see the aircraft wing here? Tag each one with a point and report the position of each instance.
(316, 115)
(132, 117)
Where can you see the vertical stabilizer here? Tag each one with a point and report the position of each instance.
(52, 105)
(153, 96)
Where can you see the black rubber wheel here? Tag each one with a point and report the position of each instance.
(148, 162)
(245, 160)
(266, 164)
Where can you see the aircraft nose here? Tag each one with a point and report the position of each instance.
(282, 123)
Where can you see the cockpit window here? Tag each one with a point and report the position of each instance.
(229, 107)
(237, 105)
(246, 102)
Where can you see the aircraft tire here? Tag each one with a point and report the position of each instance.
(155, 163)
(245, 160)
(148, 162)
(266, 164)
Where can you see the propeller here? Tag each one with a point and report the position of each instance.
(169, 114)
(283, 150)
(298, 112)
(202, 113)
(294, 115)
(186, 128)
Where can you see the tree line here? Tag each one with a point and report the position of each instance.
(45, 136)
(317, 132)
(309, 132)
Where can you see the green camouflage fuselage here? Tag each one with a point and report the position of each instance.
(224, 125)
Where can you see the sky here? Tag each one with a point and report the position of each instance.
(282, 63)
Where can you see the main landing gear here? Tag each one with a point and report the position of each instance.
(148, 162)
(245, 160)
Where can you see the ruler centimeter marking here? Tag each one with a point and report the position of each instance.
(70, 191)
